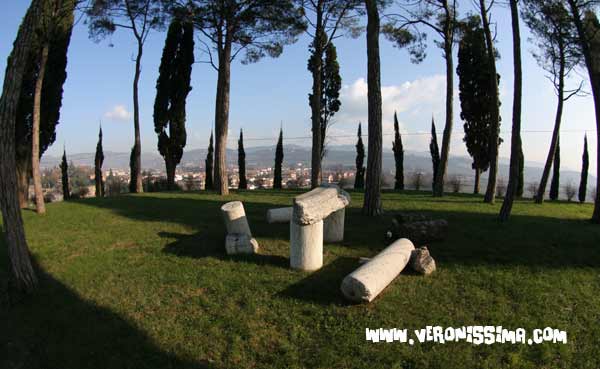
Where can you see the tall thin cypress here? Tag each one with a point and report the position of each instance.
(242, 162)
(359, 179)
(554, 185)
(208, 163)
(278, 161)
(434, 149)
(99, 159)
(398, 156)
(172, 88)
(585, 165)
(64, 168)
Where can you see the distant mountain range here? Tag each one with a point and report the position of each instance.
(337, 156)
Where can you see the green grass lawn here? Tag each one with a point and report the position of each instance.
(144, 282)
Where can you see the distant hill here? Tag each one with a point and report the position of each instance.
(344, 156)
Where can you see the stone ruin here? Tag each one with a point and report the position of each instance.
(318, 216)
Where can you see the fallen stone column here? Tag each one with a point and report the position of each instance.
(279, 215)
(366, 282)
(235, 218)
(306, 246)
(333, 226)
(240, 244)
(239, 238)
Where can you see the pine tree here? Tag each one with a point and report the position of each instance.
(585, 165)
(208, 182)
(278, 161)
(359, 179)
(99, 159)
(398, 156)
(172, 88)
(64, 167)
(435, 152)
(242, 162)
(554, 185)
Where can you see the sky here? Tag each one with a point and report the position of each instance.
(273, 93)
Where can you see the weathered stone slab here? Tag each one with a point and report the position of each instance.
(235, 219)
(316, 205)
(279, 215)
(421, 261)
(240, 244)
(366, 282)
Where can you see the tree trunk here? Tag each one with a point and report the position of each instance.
(490, 193)
(35, 133)
(317, 137)
(539, 197)
(23, 174)
(22, 275)
(515, 144)
(594, 76)
(477, 180)
(136, 169)
(170, 166)
(438, 189)
(372, 202)
(222, 117)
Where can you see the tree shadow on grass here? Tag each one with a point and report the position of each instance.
(200, 246)
(56, 328)
(323, 286)
(474, 237)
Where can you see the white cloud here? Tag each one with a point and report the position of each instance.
(414, 101)
(118, 112)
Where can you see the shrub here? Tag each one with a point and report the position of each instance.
(570, 191)
(533, 188)
(500, 187)
(416, 180)
(456, 183)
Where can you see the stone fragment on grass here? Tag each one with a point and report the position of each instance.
(421, 261)
(422, 232)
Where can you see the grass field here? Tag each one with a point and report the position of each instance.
(143, 282)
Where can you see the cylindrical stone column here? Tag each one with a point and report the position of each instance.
(306, 246)
(333, 226)
(366, 282)
(235, 219)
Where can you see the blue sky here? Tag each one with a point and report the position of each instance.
(274, 92)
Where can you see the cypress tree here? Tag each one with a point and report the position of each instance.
(476, 98)
(208, 182)
(398, 155)
(133, 170)
(359, 179)
(435, 152)
(585, 165)
(278, 161)
(64, 168)
(554, 185)
(242, 162)
(98, 166)
(172, 88)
